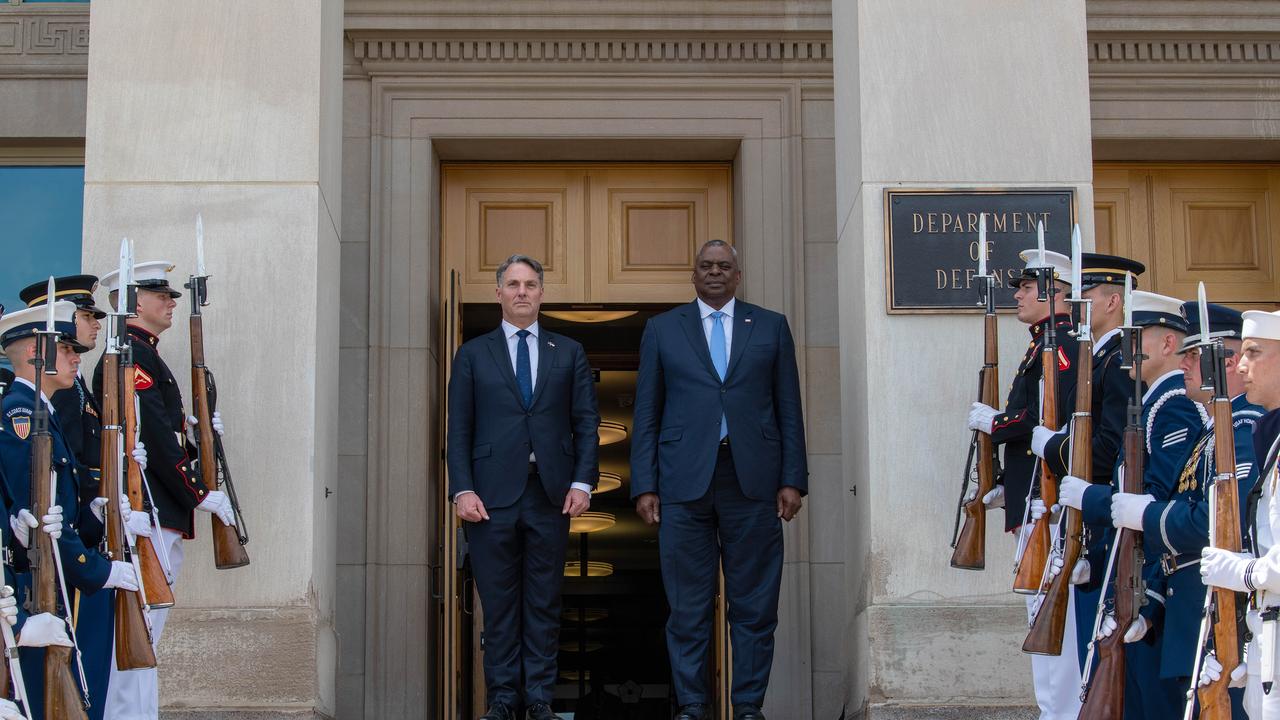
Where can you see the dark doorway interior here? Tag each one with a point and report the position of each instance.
(613, 658)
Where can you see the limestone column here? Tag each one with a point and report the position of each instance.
(966, 93)
(233, 110)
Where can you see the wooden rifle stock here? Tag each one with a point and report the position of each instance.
(228, 552)
(1104, 698)
(1045, 636)
(155, 582)
(1214, 702)
(971, 545)
(61, 694)
(132, 638)
(1027, 580)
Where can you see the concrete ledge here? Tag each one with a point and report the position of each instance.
(947, 712)
(255, 662)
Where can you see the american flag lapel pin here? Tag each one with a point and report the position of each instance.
(550, 344)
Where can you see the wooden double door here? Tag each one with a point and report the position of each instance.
(609, 237)
(1189, 223)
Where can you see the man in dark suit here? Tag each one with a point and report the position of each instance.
(523, 458)
(718, 445)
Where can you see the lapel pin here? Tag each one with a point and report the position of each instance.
(550, 344)
(746, 320)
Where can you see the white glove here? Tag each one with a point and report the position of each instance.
(44, 630)
(1079, 574)
(215, 422)
(1127, 510)
(1071, 491)
(1037, 509)
(9, 711)
(25, 521)
(216, 502)
(1211, 671)
(95, 507)
(140, 455)
(995, 498)
(122, 576)
(1223, 568)
(981, 416)
(8, 606)
(138, 524)
(1135, 632)
(1040, 437)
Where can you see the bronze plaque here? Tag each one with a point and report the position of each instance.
(931, 242)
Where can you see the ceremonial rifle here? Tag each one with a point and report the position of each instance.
(151, 570)
(1220, 620)
(1030, 566)
(1103, 693)
(133, 649)
(970, 542)
(62, 700)
(1045, 635)
(228, 541)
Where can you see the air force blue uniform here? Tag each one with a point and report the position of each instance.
(719, 498)
(84, 568)
(1173, 423)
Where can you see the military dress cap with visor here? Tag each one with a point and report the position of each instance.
(1155, 310)
(1261, 325)
(1224, 322)
(151, 275)
(1098, 269)
(26, 322)
(77, 289)
(1060, 263)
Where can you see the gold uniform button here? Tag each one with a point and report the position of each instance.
(1028, 452)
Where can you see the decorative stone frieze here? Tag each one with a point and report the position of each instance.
(36, 42)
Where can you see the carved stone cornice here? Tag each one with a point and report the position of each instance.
(1181, 55)
(44, 41)
(795, 55)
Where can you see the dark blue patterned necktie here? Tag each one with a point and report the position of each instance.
(524, 372)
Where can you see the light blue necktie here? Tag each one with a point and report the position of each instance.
(720, 359)
(524, 371)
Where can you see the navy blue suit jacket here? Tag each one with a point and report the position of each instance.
(680, 399)
(491, 433)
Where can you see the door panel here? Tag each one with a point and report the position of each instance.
(604, 233)
(1192, 223)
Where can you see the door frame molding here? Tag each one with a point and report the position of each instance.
(409, 115)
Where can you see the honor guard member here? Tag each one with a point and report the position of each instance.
(84, 568)
(1173, 422)
(1177, 529)
(1057, 678)
(171, 475)
(1259, 574)
(1102, 280)
(80, 416)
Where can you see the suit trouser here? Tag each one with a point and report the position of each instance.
(722, 529)
(135, 694)
(518, 559)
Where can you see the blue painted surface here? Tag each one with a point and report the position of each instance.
(42, 210)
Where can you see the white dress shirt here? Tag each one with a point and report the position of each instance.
(510, 331)
(708, 322)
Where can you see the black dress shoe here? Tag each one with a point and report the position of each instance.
(692, 711)
(747, 712)
(540, 711)
(499, 711)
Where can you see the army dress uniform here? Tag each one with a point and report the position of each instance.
(1112, 392)
(80, 415)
